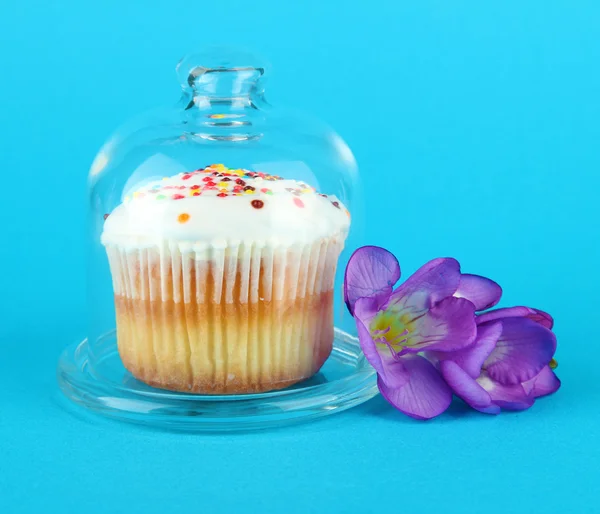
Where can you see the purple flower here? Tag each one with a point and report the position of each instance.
(508, 367)
(433, 311)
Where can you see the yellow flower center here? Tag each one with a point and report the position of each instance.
(390, 330)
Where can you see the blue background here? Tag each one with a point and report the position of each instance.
(485, 118)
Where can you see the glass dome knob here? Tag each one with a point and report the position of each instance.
(221, 73)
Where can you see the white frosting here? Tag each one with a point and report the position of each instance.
(292, 213)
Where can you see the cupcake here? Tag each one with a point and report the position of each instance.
(223, 280)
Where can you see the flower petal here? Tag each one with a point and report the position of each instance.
(367, 344)
(448, 326)
(366, 309)
(467, 388)
(509, 397)
(436, 280)
(507, 312)
(544, 383)
(541, 317)
(371, 272)
(471, 359)
(523, 349)
(389, 370)
(481, 291)
(424, 396)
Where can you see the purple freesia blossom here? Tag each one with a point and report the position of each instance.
(426, 340)
(431, 312)
(508, 367)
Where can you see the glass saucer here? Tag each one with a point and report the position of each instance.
(108, 388)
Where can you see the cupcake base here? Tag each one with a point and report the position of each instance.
(229, 320)
(224, 349)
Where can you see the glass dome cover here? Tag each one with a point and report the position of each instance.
(219, 231)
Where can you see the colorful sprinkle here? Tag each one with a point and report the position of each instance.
(336, 204)
(224, 182)
(183, 217)
(106, 216)
(257, 204)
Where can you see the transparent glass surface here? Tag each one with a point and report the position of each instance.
(219, 230)
(346, 380)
